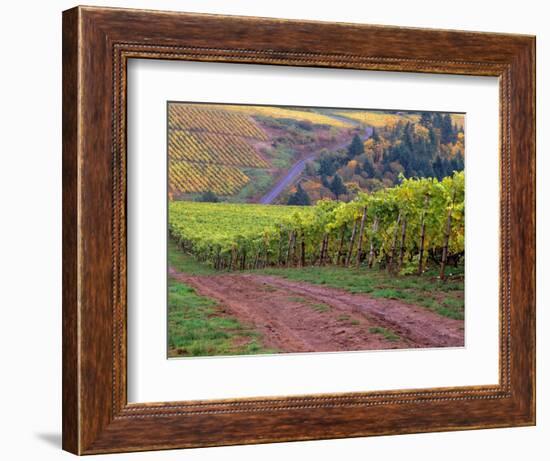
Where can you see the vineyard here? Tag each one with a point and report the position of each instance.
(378, 119)
(207, 147)
(403, 229)
(198, 178)
(293, 113)
(215, 119)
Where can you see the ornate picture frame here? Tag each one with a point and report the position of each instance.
(97, 44)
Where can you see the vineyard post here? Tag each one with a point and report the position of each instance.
(341, 245)
(446, 239)
(402, 247)
(393, 243)
(209, 253)
(291, 249)
(322, 255)
(302, 250)
(217, 263)
(371, 251)
(327, 243)
(280, 254)
(233, 260)
(351, 242)
(361, 231)
(257, 258)
(243, 259)
(293, 254)
(422, 236)
(266, 255)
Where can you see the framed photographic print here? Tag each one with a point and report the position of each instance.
(281, 230)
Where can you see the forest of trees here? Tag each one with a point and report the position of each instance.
(431, 148)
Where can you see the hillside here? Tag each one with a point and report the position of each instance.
(296, 155)
(238, 152)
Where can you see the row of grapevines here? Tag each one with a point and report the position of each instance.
(295, 113)
(397, 228)
(221, 149)
(378, 119)
(191, 177)
(214, 120)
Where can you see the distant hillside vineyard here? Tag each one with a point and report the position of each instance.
(206, 147)
(299, 155)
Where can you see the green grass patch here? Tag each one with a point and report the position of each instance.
(388, 334)
(347, 318)
(198, 327)
(185, 263)
(320, 307)
(260, 182)
(444, 297)
(297, 299)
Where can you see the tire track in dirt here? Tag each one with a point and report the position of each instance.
(302, 317)
(418, 324)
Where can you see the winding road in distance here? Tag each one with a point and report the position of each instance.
(296, 170)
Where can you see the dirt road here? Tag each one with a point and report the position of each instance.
(296, 170)
(302, 317)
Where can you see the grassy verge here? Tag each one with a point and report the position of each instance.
(197, 325)
(385, 332)
(185, 263)
(446, 298)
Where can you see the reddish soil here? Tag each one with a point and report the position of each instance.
(302, 317)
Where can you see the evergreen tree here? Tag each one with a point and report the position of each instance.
(299, 197)
(356, 147)
(433, 143)
(368, 167)
(375, 137)
(409, 136)
(327, 166)
(208, 196)
(437, 120)
(459, 161)
(426, 119)
(438, 168)
(447, 132)
(337, 186)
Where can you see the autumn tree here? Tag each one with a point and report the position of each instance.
(299, 197)
(337, 186)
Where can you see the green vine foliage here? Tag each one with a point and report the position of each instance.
(232, 236)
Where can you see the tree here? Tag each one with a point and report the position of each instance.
(327, 165)
(368, 168)
(426, 119)
(375, 136)
(437, 120)
(299, 197)
(438, 168)
(337, 186)
(310, 169)
(208, 196)
(447, 132)
(356, 147)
